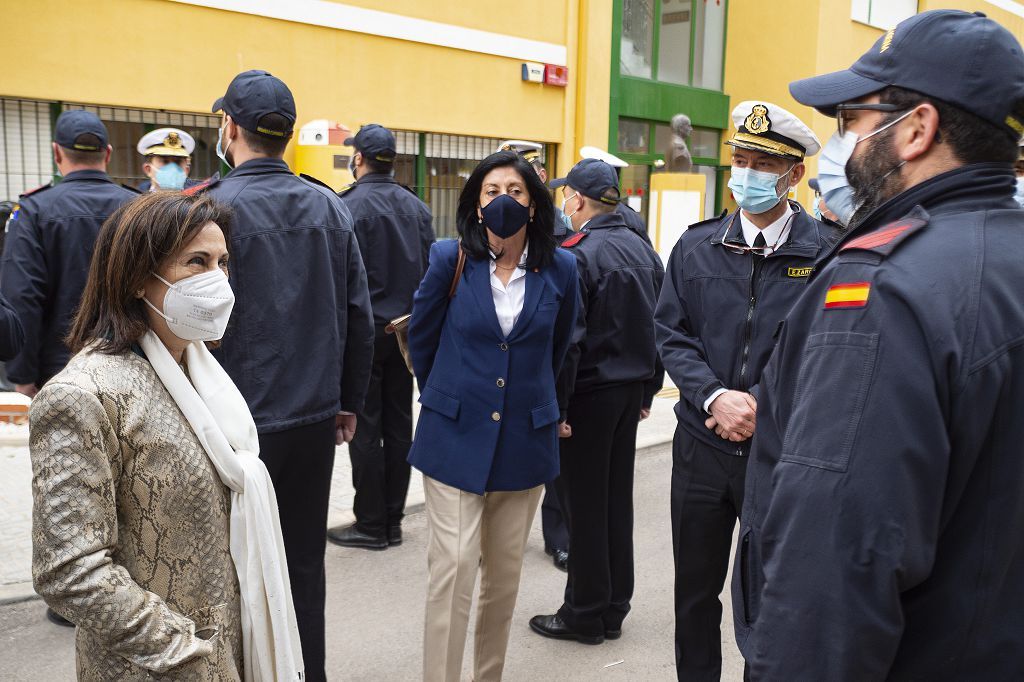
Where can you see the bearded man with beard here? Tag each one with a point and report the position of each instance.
(884, 503)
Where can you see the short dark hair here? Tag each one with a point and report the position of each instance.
(612, 194)
(133, 243)
(375, 166)
(80, 157)
(540, 231)
(972, 138)
(266, 144)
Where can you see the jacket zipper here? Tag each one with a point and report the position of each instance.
(748, 327)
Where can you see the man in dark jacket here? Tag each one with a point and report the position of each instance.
(881, 537)
(729, 283)
(300, 343)
(395, 233)
(50, 238)
(606, 387)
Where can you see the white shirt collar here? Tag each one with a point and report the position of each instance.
(772, 233)
(518, 272)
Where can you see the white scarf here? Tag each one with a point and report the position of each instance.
(221, 420)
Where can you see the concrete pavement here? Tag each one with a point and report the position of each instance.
(375, 610)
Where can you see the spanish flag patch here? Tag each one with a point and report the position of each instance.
(848, 295)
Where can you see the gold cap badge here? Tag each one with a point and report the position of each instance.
(758, 122)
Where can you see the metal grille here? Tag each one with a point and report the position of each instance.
(448, 162)
(127, 126)
(26, 161)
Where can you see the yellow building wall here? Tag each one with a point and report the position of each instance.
(771, 44)
(166, 55)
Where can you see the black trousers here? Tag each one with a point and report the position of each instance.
(300, 462)
(707, 496)
(552, 521)
(380, 449)
(596, 483)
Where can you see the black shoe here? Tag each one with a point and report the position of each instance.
(350, 536)
(561, 560)
(555, 628)
(58, 619)
(394, 536)
(613, 634)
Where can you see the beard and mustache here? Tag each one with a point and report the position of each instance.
(874, 176)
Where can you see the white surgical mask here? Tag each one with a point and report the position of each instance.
(197, 308)
(222, 152)
(1019, 194)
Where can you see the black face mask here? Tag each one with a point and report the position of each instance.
(505, 216)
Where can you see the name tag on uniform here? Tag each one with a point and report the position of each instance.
(799, 272)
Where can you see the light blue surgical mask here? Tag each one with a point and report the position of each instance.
(170, 176)
(1019, 195)
(567, 219)
(754, 190)
(835, 188)
(832, 180)
(222, 153)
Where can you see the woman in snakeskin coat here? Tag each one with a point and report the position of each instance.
(130, 520)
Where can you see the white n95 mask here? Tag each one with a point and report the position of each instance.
(197, 308)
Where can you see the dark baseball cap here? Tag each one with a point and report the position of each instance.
(73, 124)
(253, 95)
(591, 178)
(964, 59)
(374, 141)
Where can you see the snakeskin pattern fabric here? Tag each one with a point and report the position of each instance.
(130, 527)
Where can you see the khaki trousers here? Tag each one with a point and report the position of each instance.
(467, 531)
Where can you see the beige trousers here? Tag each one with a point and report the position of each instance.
(466, 531)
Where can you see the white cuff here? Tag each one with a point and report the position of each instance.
(711, 399)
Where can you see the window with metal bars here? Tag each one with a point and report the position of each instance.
(434, 165)
(127, 126)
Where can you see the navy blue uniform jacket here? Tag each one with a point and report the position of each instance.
(882, 532)
(50, 239)
(634, 221)
(395, 233)
(719, 309)
(613, 341)
(300, 342)
(12, 336)
(490, 412)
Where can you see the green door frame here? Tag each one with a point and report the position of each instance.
(652, 101)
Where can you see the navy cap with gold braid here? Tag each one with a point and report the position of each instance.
(768, 128)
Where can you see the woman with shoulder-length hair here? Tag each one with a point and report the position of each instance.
(154, 523)
(486, 359)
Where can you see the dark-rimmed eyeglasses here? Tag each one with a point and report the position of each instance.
(841, 108)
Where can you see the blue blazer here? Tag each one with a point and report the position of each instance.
(490, 414)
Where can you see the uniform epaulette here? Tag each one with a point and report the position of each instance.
(345, 188)
(130, 188)
(411, 190)
(38, 189)
(710, 221)
(885, 239)
(202, 186)
(575, 239)
(315, 181)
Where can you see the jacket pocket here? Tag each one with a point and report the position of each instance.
(840, 366)
(439, 402)
(548, 413)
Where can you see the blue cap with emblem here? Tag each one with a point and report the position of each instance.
(374, 141)
(252, 97)
(964, 59)
(592, 178)
(81, 130)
